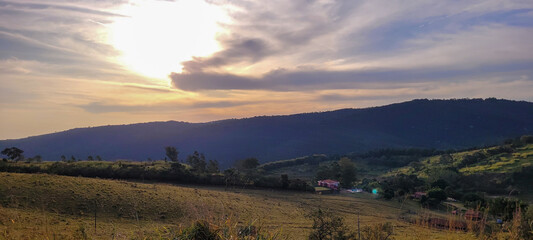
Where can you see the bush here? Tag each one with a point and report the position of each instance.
(200, 230)
(436, 196)
(378, 232)
(326, 225)
(473, 200)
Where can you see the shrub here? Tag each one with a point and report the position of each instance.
(378, 232)
(200, 230)
(327, 225)
(473, 200)
(436, 196)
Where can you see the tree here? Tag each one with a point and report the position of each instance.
(212, 166)
(284, 181)
(98, 158)
(445, 158)
(63, 158)
(247, 164)
(333, 171)
(347, 172)
(90, 158)
(197, 162)
(441, 183)
(435, 196)
(171, 153)
(230, 177)
(505, 208)
(327, 225)
(37, 158)
(473, 200)
(13, 153)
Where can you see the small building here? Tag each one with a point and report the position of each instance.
(355, 190)
(329, 184)
(418, 195)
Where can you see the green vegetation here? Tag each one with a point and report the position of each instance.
(327, 225)
(196, 172)
(151, 209)
(505, 169)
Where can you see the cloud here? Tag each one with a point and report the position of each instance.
(347, 44)
(100, 107)
(285, 80)
(41, 6)
(236, 50)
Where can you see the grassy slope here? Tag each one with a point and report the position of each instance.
(499, 163)
(60, 207)
(505, 162)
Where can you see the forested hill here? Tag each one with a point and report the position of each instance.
(441, 124)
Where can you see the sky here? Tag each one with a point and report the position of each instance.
(81, 63)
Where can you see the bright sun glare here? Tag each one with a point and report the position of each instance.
(159, 35)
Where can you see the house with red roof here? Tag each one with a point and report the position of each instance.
(329, 184)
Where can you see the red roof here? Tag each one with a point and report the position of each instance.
(329, 181)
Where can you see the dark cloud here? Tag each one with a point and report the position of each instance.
(236, 50)
(284, 80)
(276, 31)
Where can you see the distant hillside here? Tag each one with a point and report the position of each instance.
(440, 124)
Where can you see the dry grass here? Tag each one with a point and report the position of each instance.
(40, 206)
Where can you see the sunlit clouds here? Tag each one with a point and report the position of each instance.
(158, 35)
(67, 64)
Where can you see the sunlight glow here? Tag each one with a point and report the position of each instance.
(159, 35)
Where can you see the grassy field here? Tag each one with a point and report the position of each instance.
(491, 163)
(40, 206)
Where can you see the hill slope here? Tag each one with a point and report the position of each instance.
(438, 124)
(39, 206)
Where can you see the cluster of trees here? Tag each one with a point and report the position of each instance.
(194, 169)
(15, 154)
(196, 161)
(343, 171)
(247, 172)
(393, 158)
(74, 159)
(311, 160)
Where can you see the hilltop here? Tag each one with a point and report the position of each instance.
(440, 124)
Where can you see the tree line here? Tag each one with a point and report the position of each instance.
(194, 169)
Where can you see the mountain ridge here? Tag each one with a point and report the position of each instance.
(441, 124)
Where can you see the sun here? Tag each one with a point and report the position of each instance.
(156, 36)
